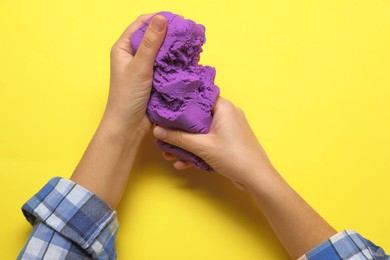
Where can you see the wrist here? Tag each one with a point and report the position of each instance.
(261, 179)
(121, 133)
(106, 164)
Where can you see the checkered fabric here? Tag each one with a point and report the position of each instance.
(346, 245)
(69, 222)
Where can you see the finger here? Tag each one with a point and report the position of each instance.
(181, 139)
(151, 43)
(181, 165)
(168, 156)
(123, 42)
(221, 104)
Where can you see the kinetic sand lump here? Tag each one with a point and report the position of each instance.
(183, 93)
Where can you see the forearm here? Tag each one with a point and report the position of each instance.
(105, 166)
(298, 226)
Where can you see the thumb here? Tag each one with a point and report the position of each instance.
(151, 42)
(187, 141)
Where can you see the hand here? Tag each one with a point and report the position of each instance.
(230, 147)
(232, 150)
(131, 78)
(105, 166)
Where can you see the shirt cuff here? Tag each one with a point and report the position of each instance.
(346, 245)
(75, 213)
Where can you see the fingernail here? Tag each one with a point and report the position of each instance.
(158, 23)
(160, 132)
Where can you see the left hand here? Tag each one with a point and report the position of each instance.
(131, 78)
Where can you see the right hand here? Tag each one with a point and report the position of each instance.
(230, 148)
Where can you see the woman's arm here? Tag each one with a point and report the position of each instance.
(298, 226)
(232, 149)
(76, 219)
(106, 164)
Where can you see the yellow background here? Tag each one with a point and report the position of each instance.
(312, 76)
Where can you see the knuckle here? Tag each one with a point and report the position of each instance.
(229, 106)
(241, 111)
(177, 137)
(147, 41)
(113, 50)
(227, 102)
(141, 18)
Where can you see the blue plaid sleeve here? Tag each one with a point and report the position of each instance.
(69, 222)
(346, 245)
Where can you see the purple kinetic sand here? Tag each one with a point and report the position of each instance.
(183, 93)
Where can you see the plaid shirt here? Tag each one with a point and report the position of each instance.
(346, 245)
(70, 222)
